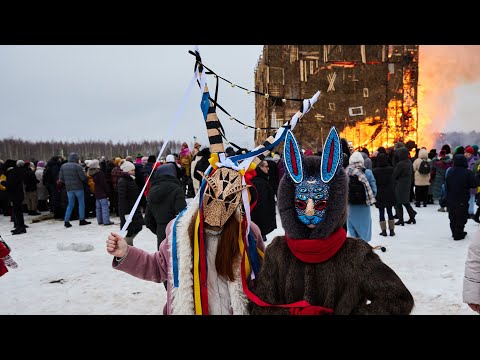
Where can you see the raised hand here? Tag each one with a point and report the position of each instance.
(116, 245)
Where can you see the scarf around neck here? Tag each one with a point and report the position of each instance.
(353, 170)
(317, 250)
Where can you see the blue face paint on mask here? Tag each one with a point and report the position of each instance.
(314, 189)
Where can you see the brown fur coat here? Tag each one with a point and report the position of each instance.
(353, 281)
(344, 283)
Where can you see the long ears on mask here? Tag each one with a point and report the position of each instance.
(331, 156)
(293, 158)
(332, 151)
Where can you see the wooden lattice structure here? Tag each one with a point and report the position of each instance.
(369, 92)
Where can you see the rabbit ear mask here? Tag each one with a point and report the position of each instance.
(332, 151)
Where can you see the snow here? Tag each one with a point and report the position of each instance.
(53, 281)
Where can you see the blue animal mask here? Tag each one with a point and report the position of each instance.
(312, 190)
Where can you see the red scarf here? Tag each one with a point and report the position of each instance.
(317, 250)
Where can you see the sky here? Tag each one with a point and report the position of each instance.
(52, 281)
(120, 93)
(134, 92)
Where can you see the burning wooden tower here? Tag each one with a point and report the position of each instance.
(369, 92)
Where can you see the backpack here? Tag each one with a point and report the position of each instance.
(356, 191)
(424, 167)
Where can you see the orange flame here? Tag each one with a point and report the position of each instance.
(442, 69)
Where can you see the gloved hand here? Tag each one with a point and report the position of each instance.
(311, 310)
(10, 262)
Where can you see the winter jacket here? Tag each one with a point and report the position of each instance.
(14, 183)
(367, 162)
(115, 176)
(165, 200)
(30, 180)
(51, 172)
(4, 251)
(139, 179)
(186, 162)
(147, 169)
(263, 214)
(402, 176)
(42, 192)
(471, 280)
(421, 179)
(73, 175)
(459, 181)
(344, 283)
(101, 189)
(439, 166)
(385, 192)
(158, 267)
(127, 195)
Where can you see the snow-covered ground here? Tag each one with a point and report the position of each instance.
(53, 281)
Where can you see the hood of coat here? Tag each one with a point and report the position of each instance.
(162, 186)
(336, 210)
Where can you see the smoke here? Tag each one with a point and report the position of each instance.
(448, 93)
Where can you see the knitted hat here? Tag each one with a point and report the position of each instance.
(94, 164)
(469, 149)
(41, 164)
(139, 155)
(127, 166)
(170, 158)
(356, 157)
(20, 163)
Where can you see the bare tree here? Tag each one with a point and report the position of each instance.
(12, 148)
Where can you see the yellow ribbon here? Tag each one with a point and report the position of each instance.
(196, 269)
(242, 246)
(213, 160)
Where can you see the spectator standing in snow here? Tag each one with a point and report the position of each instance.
(471, 280)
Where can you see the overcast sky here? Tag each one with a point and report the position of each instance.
(121, 93)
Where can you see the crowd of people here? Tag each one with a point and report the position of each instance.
(390, 179)
(449, 179)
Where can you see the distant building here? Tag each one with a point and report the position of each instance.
(369, 92)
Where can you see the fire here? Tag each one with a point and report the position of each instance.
(401, 123)
(373, 132)
(442, 69)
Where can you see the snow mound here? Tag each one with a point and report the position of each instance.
(80, 247)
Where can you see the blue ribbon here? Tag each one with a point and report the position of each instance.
(205, 104)
(252, 247)
(174, 250)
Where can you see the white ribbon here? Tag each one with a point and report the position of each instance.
(173, 124)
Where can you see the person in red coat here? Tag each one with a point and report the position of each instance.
(5, 258)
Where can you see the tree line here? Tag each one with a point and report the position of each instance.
(43, 150)
(457, 138)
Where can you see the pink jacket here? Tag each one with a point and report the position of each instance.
(157, 267)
